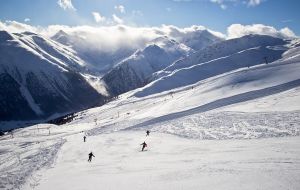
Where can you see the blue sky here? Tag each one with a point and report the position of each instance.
(214, 14)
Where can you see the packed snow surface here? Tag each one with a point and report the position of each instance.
(235, 130)
(188, 149)
(169, 162)
(173, 163)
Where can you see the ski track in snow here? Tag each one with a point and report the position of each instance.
(172, 162)
(196, 140)
(216, 125)
(21, 156)
(29, 157)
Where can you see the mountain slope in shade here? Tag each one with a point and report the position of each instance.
(134, 71)
(40, 77)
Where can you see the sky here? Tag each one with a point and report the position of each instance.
(217, 15)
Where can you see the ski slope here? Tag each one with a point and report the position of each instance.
(236, 130)
(188, 148)
(170, 162)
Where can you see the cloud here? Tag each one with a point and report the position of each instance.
(116, 19)
(253, 3)
(27, 20)
(120, 8)
(109, 38)
(238, 30)
(224, 4)
(287, 32)
(220, 3)
(17, 27)
(180, 33)
(66, 4)
(98, 18)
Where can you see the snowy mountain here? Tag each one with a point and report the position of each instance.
(199, 39)
(225, 119)
(98, 61)
(134, 71)
(40, 77)
(223, 49)
(217, 59)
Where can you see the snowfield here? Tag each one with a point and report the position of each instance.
(170, 162)
(217, 149)
(239, 129)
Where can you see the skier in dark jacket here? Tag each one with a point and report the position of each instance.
(84, 138)
(147, 133)
(144, 145)
(91, 155)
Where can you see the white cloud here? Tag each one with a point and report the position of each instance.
(17, 27)
(223, 6)
(238, 30)
(27, 20)
(179, 33)
(116, 19)
(220, 3)
(120, 8)
(112, 37)
(98, 18)
(226, 3)
(66, 4)
(254, 3)
(287, 32)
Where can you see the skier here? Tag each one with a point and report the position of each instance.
(147, 133)
(144, 145)
(84, 138)
(91, 155)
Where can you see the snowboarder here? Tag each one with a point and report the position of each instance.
(144, 145)
(84, 138)
(91, 155)
(147, 133)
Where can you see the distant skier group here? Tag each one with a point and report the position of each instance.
(144, 144)
(91, 155)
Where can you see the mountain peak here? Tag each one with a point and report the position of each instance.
(61, 37)
(4, 36)
(61, 32)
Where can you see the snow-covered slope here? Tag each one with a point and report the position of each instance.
(163, 111)
(134, 71)
(223, 49)
(229, 122)
(40, 77)
(215, 60)
(214, 130)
